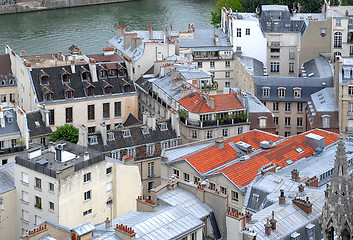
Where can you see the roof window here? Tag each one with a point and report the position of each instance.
(145, 130)
(111, 136)
(93, 140)
(126, 133)
(163, 126)
(299, 150)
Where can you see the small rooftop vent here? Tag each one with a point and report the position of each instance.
(42, 162)
(244, 146)
(266, 144)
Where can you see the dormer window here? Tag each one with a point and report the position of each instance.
(69, 91)
(297, 92)
(70, 94)
(263, 122)
(65, 75)
(112, 73)
(48, 94)
(9, 116)
(145, 130)
(102, 73)
(122, 72)
(112, 69)
(108, 88)
(281, 92)
(126, 86)
(126, 133)
(163, 126)
(12, 82)
(93, 140)
(89, 88)
(326, 121)
(3, 82)
(85, 74)
(111, 136)
(266, 91)
(44, 77)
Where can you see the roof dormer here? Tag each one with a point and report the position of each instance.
(65, 75)
(69, 91)
(89, 88)
(108, 88)
(85, 74)
(102, 71)
(44, 77)
(47, 93)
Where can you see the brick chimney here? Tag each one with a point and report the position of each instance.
(248, 216)
(301, 188)
(273, 221)
(295, 175)
(281, 198)
(120, 31)
(312, 182)
(268, 228)
(107, 223)
(210, 102)
(304, 205)
(220, 143)
(327, 190)
(124, 232)
(150, 32)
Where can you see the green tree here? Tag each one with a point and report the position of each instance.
(67, 132)
(312, 6)
(216, 14)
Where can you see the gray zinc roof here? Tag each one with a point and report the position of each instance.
(253, 66)
(205, 38)
(324, 100)
(83, 228)
(7, 181)
(10, 127)
(175, 153)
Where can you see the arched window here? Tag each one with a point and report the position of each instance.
(337, 40)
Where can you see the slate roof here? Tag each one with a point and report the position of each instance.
(137, 138)
(131, 120)
(7, 179)
(145, 85)
(5, 71)
(210, 157)
(57, 86)
(36, 125)
(10, 127)
(197, 104)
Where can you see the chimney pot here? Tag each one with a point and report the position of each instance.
(273, 221)
(301, 188)
(268, 228)
(281, 198)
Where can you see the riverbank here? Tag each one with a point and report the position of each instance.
(31, 6)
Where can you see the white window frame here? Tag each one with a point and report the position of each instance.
(150, 150)
(150, 169)
(87, 195)
(266, 91)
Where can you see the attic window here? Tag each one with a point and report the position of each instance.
(108, 88)
(255, 197)
(37, 124)
(10, 119)
(163, 126)
(111, 136)
(145, 130)
(93, 140)
(65, 75)
(2, 82)
(126, 133)
(122, 72)
(90, 91)
(11, 82)
(299, 150)
(48, 96)
(102, 73)
(85, 74)
(44, 77)
(70, 94)
(112, 73)
(288, 161)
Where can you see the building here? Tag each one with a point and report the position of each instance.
(86, 90)
(137, 143)
(141, 49)
(38, 126)
(212, 51)
(69, 184)
(8, 83)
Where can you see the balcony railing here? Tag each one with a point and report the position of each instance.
(212, 123)
(12, 150)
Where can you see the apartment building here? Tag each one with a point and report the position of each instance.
(76, 89)
(141, 49)
(212, 51)
(140, 144)
(70, 184)
(8, 83)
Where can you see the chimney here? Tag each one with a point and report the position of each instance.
(295, 175)
(151, 121)
(93, 69)
(220, 143)
(37, 61)
(2, 119)
(282, 198)
(145, 205)
(107, 223)
(108, 51)
(82, 136)
(273, 221)
(268, 228)
(271, 167)
(135, 42)
(248, 216)
(124, 232)
(120, 31)
(85, 156)
(327, 190)
(73, 69)
(347, 13)
(150, 32)
(127, 39)
(144, 118)
(312, 182)
(304, 205)
(185, 91)
(210, 102)
(103, 131)
(301, 188)
(45, 114)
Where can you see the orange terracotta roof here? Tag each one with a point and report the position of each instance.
(197, 104)
(243, 173)
(212, 157)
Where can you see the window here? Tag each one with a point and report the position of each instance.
(350, 108)
(68, 114)
(69, 94)
(111, 136)
(89, 211)
(108, 170)
(12, 97)
(25, 196)
(109, 186)
(275, 120)
(164, 145)
(37, 220)
(51, 187)
(238, 32)
(287, 106)
(287, 121)
(25, 178)
(186, 177)
(115, 155)
(197, 180)
(194, 134)
(300, 122)
(225, 132)
(297, 92)
(87, 177)
(51, 206)
(300, 107)
(106, 110)
(337, 40)
(227, 84)
(350, 90)
(262, 122)
(291, 67)
(247, 31)
(223, 189)
(227, 63)
(150, 150)
(150, 185)
(92, 140)
(87, 195)
(163, 126)
(25, 216)
(347, 73)
(209, 134)
(3, 97)
(4, 161)
(193, 236)
(176, 172)
(130, 152)
(144, 130)
(126, 133)
(350, 54)
(323, 31)
(51, 117)
(326, 121)
(2, 145)
(274, 66)
(150, 169)
(205, 117)
(174, 143)
(212, 185)
(281, 92)
(287, 134)
(199, 64)
(266, 91)
(212, 64)
(275, 50)
(117, 109)
(227, 74)
(275, 106)
(338, 22)
(90, 112)
(38, 202)
(240, 130)
(235, 196)
(38, 183)
(91, 130)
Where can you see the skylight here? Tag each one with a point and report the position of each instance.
(37, 124)
(299, 150)
(288, 161)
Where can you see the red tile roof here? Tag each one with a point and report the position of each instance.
(106, 58)
(197, 104)
(212, 157)
(243, 173)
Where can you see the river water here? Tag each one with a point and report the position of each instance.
(91, 27)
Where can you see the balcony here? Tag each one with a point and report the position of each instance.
(228, 121)
(211, 86)
(12, 150)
